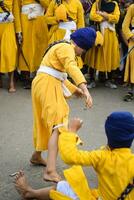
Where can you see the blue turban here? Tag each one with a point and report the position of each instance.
(119, 128)
(84, 37)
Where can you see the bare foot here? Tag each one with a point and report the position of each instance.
(11, 90)
(52, 176)
(22, 186)
(39, 161)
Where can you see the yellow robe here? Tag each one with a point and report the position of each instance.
(113, 167)
(74, 10)
(129, 20)
(107, 57)
(8, 47)
(49, 104)
(35, 38)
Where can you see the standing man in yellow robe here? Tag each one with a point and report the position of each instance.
(49, 89)
(105, 58)
(34, 33)
(128, 30)
(8, 47)
(64, 17)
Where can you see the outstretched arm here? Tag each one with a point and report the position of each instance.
(69, 152)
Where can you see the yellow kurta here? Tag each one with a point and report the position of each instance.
(49, 105)
(113, 167)
(35, 38)
(74, 10)
(129, 20)
(8, 47)
(107, 57)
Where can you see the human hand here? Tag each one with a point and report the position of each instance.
(75, 124)
(19, 38)
(86, 94)
(103, 14)
(78, 92)
(88, 99)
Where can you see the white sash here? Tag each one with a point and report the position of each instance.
(3, 15)
(106, 24)
(69, 27)
(57, 74)
(32, 10)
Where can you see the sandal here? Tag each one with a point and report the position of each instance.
(128, 97)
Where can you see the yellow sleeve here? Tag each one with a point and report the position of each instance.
(80, 17)
(16, 13)
(93, 15)
(72, 88)
(127, 21)
(70, 154)
(114, 17)
(44, 3)
(50, 14)
(66, 55)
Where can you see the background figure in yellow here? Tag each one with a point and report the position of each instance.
(34, 36)
(49, 89)
(8, 47)
(105, 58)
(63, 17)
(128, 30)
(109, 162)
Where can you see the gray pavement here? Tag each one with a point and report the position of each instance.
(16, 133)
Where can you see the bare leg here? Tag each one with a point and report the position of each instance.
(11, 82)
(36, 159)
(27, 192)
(50, 174)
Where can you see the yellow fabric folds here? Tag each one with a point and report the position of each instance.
(8, 48)
(49, 105)
(35, 41)
(99, 39)
(55, 195)
(129, 20)
(76, 178)
(74, 10)
(108, 164)
(61, 13)
(101, 58)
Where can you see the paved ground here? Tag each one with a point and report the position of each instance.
(16, 133)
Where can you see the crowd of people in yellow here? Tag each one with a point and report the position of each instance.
(34, 24)
(49, 38)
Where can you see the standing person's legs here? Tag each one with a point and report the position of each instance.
(26, 79)
(130, 95)
(37, 159)
(11, 82)
(27, 192)
(109, 82)
(50, 173)
(92, 83)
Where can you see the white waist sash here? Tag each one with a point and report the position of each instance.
(3, 18)
(69, 27)
(32, 10)
(57, 74)
(106, 24)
